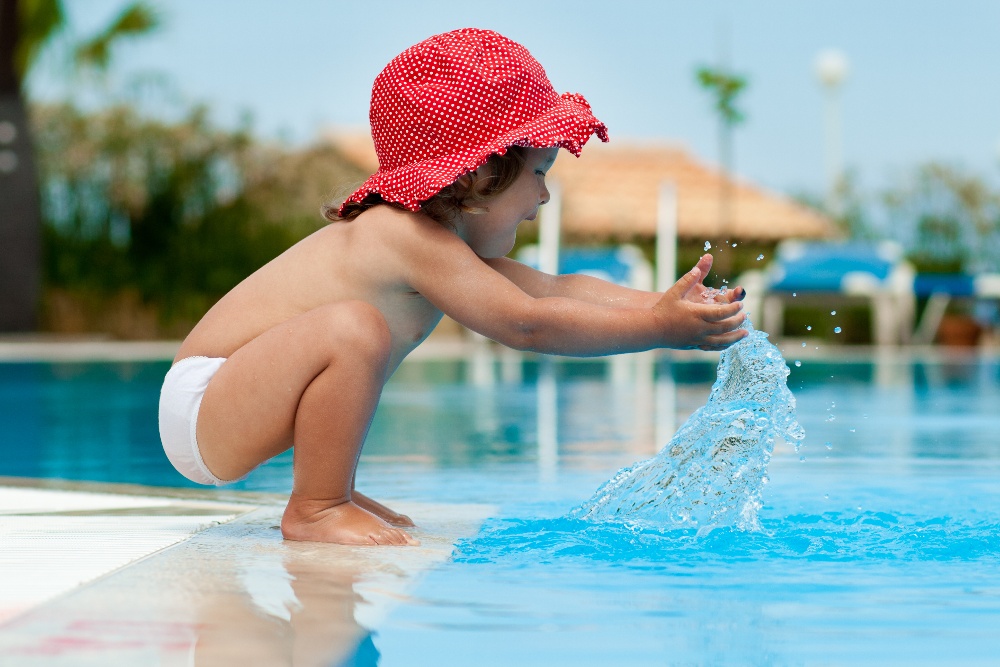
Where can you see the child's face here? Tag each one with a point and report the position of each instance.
(491, 234)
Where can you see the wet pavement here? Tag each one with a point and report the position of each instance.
(169, 577)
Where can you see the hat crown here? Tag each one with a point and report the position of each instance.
(451, 92)
(443, 106)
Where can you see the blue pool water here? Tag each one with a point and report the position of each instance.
(880, 540)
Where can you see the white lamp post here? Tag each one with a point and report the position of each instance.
(831, 70)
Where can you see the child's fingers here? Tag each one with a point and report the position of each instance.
(725, 326)
(719, 312)
(735, 294)
(719, 342)
(704, 265)
(693, 277)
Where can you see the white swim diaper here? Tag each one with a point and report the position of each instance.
(180, 398)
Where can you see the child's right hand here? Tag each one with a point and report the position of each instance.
(689, 321)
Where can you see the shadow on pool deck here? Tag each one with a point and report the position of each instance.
(192, 577)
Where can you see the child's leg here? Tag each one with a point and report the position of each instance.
(314, 380)
(391, 517)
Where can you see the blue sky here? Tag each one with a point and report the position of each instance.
(924, 80)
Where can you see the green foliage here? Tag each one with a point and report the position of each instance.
(42, 20)
(948, 220)
(725, 86)
(39, 21)
(135, 20)
(178, 213)
(854, 218)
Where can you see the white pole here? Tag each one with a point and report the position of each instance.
(831, 70)
(666, 237)
(833, 149)
(547, 391)
(549, 232)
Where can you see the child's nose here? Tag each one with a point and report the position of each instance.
(544, 195)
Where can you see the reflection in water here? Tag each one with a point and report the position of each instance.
(294, 611)
(548, 419)
(238, 594)
(97, 421)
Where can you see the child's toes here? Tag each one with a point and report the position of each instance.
(402, 538)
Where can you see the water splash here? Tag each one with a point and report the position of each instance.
(712, 472)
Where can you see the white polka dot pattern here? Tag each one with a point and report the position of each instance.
(443, 106)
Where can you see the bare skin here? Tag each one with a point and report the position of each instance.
(391, 517)
(311, 338)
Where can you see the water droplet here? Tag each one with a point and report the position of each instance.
(853, 430)
(833, 312)
(802, 459)
(809, 327)
(708, 245)
(826, 496)
(794, 294)
(803, 344)
(734, 245)
(760, 257)
(828, 445)
(798, 363)
(837, 330)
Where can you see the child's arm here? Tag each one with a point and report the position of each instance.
(594, 290)
(440, 266)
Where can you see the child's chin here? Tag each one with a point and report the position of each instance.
(496, 252)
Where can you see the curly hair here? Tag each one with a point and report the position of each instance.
(469, 194)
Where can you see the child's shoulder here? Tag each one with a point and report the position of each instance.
(396, 227)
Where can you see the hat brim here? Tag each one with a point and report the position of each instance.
(568, 124)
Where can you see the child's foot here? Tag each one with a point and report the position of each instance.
(381, 511)
(344, 523)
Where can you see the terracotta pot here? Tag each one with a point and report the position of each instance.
(958, 331)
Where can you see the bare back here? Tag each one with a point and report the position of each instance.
(343, 261)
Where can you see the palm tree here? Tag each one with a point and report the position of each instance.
(25, 27)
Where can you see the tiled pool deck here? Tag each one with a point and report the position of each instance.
(99, 574)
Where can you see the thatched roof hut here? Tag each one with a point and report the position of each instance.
(612, 193)
(613, 190)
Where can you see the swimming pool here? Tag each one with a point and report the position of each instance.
(881, 541)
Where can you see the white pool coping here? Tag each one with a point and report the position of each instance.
(92, 578)
(53, 541)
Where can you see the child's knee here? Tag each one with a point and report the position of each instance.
(361, 328)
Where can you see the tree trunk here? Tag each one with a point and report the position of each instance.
(20, 210)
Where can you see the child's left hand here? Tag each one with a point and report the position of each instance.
(695, 316)
(701, 294)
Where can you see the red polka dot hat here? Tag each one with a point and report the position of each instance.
(443, 106)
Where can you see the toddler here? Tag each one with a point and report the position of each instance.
(466, 125)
